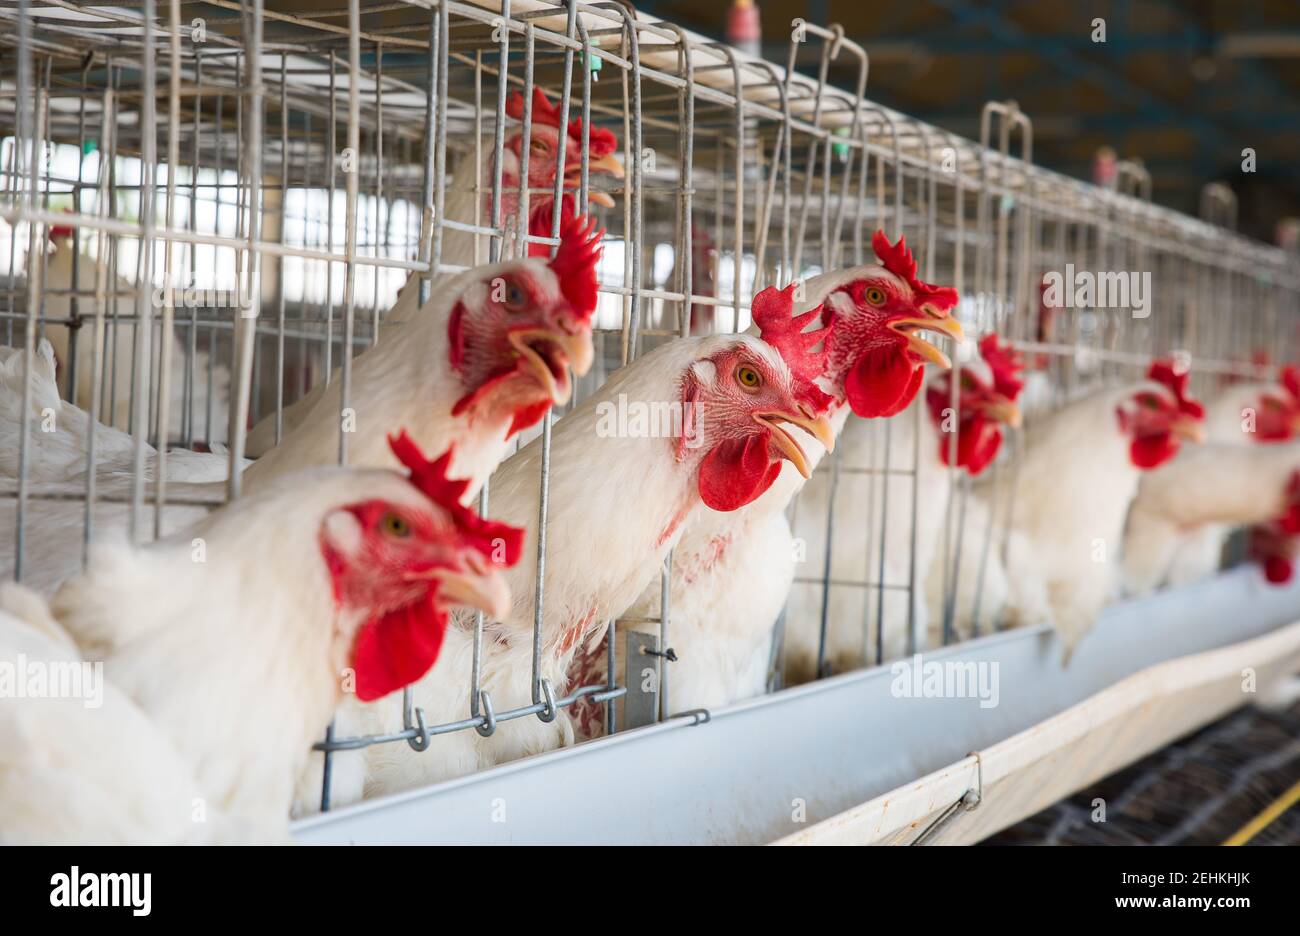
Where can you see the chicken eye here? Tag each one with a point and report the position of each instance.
(1149, 402)
(514, 298)
(967, 382)
(394, 525)
(875, 295)
(538, 148)
(748, 377)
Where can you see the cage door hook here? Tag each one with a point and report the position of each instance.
(549, 708)
(489, 726)
(422, 737)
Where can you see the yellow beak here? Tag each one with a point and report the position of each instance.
(945, 325)
(573, 351)
(819, 427)
(1186, 427)
(1005, 411)
(482, 587)
(608, 165)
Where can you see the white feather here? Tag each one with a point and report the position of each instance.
(618, 503)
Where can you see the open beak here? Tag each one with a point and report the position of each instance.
(578, 349)
(945, 325)
(549, 354)
(1004, 410)
(819, 427)
(608, 165)
(480, 587)
(1189, 428)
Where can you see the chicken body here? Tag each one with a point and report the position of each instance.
(987, 595)
(223, 654)
(54, 520)
(722, 615)
(857, 544)
(61, 432)
(414, 383)
(618, 502)
(209, 383)
(1071, 500)
(461, 375)
(1207, 491)
(1171, 542)
(469, 201)
(459, 250)
(71, 773)
(733, 571)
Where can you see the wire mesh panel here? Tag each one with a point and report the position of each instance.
(212, 213)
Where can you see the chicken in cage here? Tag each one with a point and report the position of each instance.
(461, 383)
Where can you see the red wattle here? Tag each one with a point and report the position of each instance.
(736, 472)
(1289, 522)
(978, 442)
(1152, 451)
(398, 648)
(527, 416)
(539, 223)
(1271, 431)
(483, 389)
(882, 382)
(1278, 569)
(986, 441)
(1290, 379)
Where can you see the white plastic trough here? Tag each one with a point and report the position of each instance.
(845, 760)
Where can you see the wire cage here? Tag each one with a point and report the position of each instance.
(240, 193)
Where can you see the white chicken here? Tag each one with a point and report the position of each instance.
(488, 360)
(722, 448)
(488, 357)
(1275, 543)
(208, 382)
(61, 430)
(988, 389)
(732, 572)
(469, 188)
(55, 514)
(222, 655)
(1071, 499)
(1212, 487)
(1177, 538)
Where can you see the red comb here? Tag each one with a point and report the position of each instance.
(1006, 364)
(1165, 371)
(574, 264)
(603, 142)
(431, 479)
(1290, 379)
(62, 230)
(544, 111)
(1289, 522)
(773, 313)
(897, 259)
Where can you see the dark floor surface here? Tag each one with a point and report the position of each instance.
(1198, 791)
